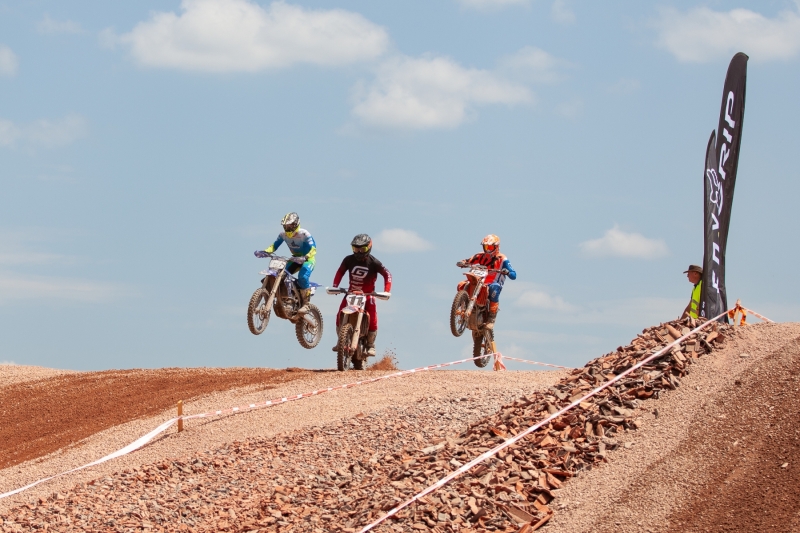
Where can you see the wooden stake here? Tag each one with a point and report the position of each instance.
(180, 415)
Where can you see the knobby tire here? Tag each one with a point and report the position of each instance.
(481, 345)
(343, 355)
(251, 311)
(302, 327)
(460, 303)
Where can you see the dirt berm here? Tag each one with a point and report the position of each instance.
(705, 443)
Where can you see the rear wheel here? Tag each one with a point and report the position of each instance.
(482, 345)
(257, 312)
(358, 364)
(345, 355)
(309, 328)
(458, 317)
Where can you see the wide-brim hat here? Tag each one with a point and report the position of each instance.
(694, 268)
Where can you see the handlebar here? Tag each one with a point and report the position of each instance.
(481, 267)
(341, 290)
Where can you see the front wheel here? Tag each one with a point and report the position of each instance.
(482, 344)
(309, 328)
(344, 356)
(257, 312)
(458, 316)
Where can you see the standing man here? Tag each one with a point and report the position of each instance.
(695, 276)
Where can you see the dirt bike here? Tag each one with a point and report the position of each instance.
(353, 330)
(470, 310)
(279, 290)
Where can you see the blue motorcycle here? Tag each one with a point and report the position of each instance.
(279, 291)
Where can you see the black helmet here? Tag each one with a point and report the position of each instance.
(290, 223)
(362, 244)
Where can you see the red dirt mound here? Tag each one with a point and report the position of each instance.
(43, 416)
(755, 485)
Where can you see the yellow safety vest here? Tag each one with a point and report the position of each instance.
(695, 305)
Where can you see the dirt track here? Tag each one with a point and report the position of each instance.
(42, 416)
(709, 456)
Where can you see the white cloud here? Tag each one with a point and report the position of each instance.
(8, 61)
(534, 297)
(47, 133)
(702, 35)
(23, 287)
(492, 4)
(401, 240)
(50, 26)
(534, 65)
(561, 12)
(430, 92)
(542, 300)
(617, 243)
(241, 36)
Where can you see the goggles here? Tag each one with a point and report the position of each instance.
(490, 247)
(361, 249)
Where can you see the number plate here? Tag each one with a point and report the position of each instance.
(277, 264)
(478, 272)
(356, 300)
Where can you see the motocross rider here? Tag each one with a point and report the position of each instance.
(491, 258)
(304, 251)
(363, 269)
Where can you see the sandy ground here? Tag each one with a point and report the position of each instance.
(665, 476)
(13, 374)
(721, 453)
(307, 413)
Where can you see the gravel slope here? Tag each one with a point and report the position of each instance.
(667, 475)
(208, 434)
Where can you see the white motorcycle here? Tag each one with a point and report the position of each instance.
(279, 290)
(353, 328)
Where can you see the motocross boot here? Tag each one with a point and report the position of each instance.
(371, 342)
(490, 318)
(305, 299)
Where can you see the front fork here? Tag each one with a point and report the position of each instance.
(474, 297)
(357, 333)
(275, 285)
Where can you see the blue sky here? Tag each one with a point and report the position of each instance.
(147, 148)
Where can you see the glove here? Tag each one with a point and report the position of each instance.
(261, 253)
(504, 272)
(299, 260)
(461, 264)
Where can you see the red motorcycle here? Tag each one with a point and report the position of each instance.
(353, 328)
(470, 310)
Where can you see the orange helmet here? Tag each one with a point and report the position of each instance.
(491, 244)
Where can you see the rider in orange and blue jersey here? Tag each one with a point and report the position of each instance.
(491, 258)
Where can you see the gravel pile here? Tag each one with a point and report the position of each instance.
(211, 433)
(684, 466)
(12, 374)
(708, 456)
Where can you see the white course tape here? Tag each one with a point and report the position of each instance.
(163, 427)
(531, 429)
(138, 443)
(535, 362)
(765, 319)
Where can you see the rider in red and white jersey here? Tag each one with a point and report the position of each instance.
(363, 268)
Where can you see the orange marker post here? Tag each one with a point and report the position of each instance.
(180, 416)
